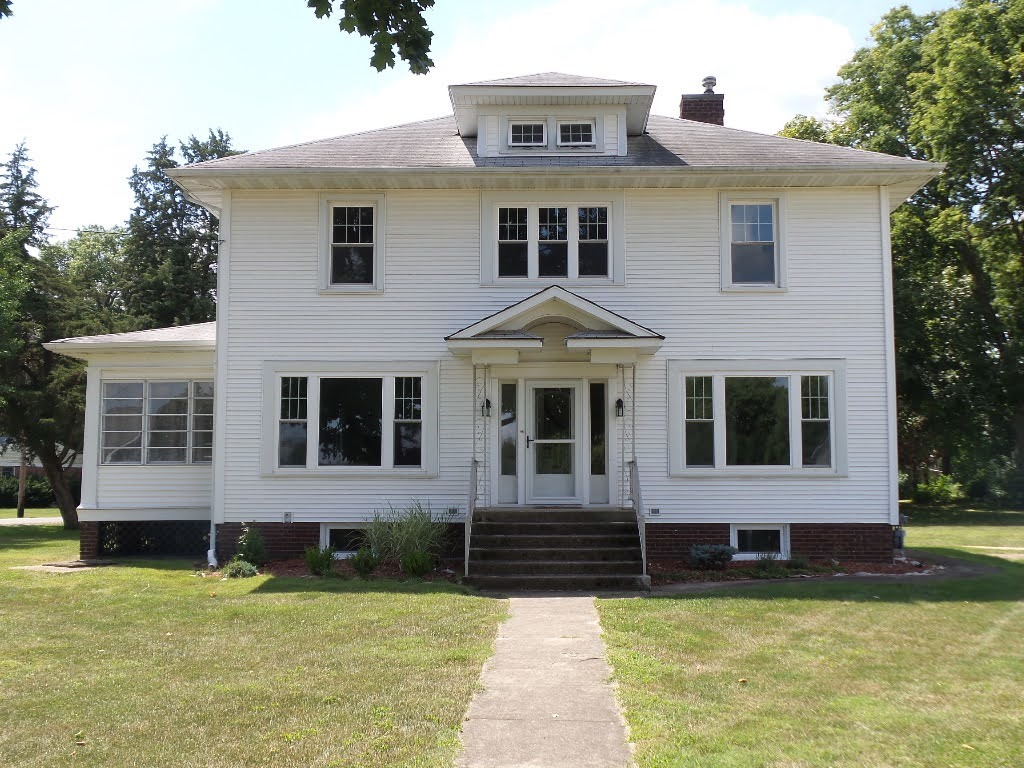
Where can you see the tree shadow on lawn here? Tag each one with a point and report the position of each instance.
(1000, 581)
(26, 536)
(340, 584)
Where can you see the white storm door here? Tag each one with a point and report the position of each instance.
(553, 445)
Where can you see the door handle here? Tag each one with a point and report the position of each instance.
(528, 441)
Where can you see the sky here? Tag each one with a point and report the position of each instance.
(90, 87)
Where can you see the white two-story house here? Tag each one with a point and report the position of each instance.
(548, 301)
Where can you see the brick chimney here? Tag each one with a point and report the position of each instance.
(707, 107)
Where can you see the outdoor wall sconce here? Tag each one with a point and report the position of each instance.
(485, 407)
(620, 408)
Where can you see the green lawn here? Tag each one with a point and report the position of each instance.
(35, 512)
(147, 664)
(834, 672)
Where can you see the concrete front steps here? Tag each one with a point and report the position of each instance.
(555, 548)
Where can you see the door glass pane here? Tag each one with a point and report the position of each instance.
(598, 414)
(553, 413)
(350, 422)
(509, 428)
(757, 420)
(554, 458)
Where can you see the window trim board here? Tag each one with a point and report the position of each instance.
(330, 200)
(777, 198)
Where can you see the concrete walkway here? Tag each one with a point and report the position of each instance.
(31, 521)
(546, 702)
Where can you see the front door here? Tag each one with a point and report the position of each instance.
(552, 442)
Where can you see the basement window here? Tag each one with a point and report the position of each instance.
(753, 541)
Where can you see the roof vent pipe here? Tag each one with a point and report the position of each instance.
(707, 107)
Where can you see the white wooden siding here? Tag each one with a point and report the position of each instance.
(150, 486)
(833, 308)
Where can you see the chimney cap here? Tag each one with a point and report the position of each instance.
(709, 83)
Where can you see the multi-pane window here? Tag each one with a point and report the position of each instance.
(527, 135)
(553, 242)
(700, 422)
(157, 422)
(352, 245)
(292, 427)
(408, 421)
(513, 242)
(349, 421)
(754, 419)
(538, 242)
(815, 422)
(753, 244)
(593, 241)
(576, 134)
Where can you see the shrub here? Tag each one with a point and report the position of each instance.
(799, 563)
(38, 492)
(364, 562)
(768, 566)
(237, 568)
(416, 564)
(320, 561)
(251, 546)
(711, 555)
(941, 489)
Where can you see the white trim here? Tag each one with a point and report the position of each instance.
(91, 451)
(220, 404)
(592, 122)
(890, 357)
(490, 202)
(782, 528)
(273, 371)
(112, 514)
(775, 198)
(580, 478)
(541, 121)
(328, 200)
(835, 369)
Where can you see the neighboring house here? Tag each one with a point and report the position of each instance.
(552, 295)
(10, 462)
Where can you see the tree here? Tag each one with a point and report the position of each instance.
(171, 245)
(21, 206)
(946, 87)
(389, 24)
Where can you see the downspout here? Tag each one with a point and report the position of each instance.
(211, 553)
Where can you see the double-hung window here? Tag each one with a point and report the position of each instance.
(351, 420)
(752, 243)
(745, 416)
(156, 422)
(352, 243)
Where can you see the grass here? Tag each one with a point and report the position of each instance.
(148, 664)
(6, 512)
(834, 672)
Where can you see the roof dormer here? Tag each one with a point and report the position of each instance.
(551, 114)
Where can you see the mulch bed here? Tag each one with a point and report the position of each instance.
(679, 571)
(296, 568)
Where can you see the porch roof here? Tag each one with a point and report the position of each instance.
(607, 335)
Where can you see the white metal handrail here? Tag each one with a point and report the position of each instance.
(638, 509)
(471, 508)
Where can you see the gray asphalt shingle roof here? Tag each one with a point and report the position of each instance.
(553, 80)
(668, 142)
(199, 332)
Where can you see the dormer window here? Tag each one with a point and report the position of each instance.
(527, 134)
(576, 134)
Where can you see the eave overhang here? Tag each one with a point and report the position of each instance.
(206, 186)
(87, 350)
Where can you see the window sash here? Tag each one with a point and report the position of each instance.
(753, 241)
(524, 133)
(163, 422)
(579, 133)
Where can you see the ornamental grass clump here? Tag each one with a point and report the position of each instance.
(364, 562)
(414, 537)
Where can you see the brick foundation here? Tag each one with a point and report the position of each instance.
(88, 540)
(866, 542)
(283, 540)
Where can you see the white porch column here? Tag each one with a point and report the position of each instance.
(481, 433)
(627, 428)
